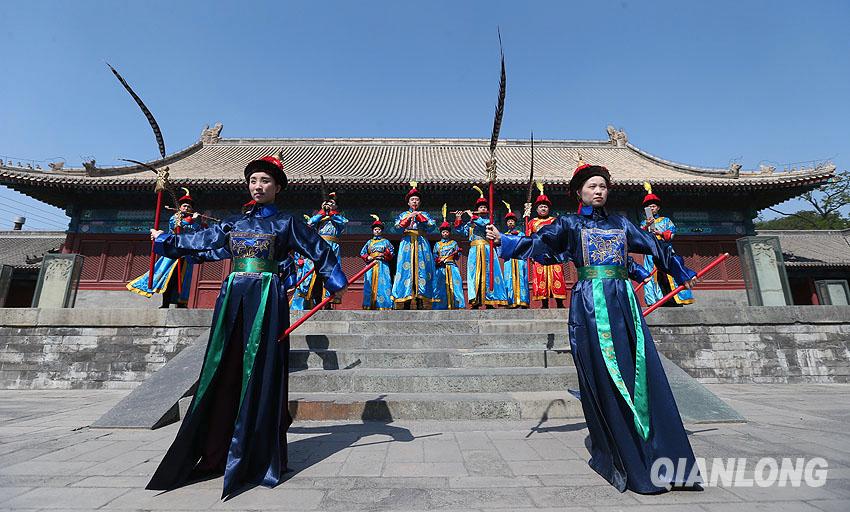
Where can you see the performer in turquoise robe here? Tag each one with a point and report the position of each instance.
(330, 225)
(168, 272)
(414, 275)
(296, 301)
(377, 287)
(478, 261)
(516, 271)
(664, 230)
(237, 421)
(631, 416)
(448, 285)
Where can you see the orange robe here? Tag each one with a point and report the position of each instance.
(547, 281)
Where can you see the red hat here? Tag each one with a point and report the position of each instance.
(445, 225)
(377, 222)
(650, 198)
(413, 191)
(186, 197)
(584, 172)
(481, 199)
(510, 214)
(542, 198)
(268, 164)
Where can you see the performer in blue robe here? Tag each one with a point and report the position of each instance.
(448, 285)
(168, 272)
(377, 286)
(237, 421)
(330, 224)
(478, 261)
(414, 274)
(516, 271)
(663, 229)
(630, 412)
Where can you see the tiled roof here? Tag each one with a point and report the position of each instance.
(815, 248)
(24, 249)
(439, 163)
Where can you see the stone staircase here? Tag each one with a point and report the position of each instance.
(440, 365)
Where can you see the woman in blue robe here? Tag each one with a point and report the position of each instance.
(237, 421)
(448, 285)
(377, 285)
(628, 406)
(168, 272)
(414, 274)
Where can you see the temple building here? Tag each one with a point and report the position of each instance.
(112, 208)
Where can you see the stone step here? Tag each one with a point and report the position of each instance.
(450, 325)
(333, 359)
(432, 340)
(434, 406)
(437, 316)
(433, 380)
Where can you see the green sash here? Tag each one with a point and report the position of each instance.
(640, 405)
(218, 338)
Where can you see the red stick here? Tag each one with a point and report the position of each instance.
(179, 263)
(490, 280)
(681, 287)
(324, 302)
(305, 276)
(156, 227)
(638, 287)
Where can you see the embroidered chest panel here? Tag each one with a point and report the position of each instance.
(252, 245)
(444, 248)
(604, 246)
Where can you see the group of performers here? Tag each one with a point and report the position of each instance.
(236, 424)
(424, 276)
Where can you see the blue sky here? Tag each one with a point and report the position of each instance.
(703, 83)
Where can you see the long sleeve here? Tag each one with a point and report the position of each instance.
(339, 221)
(309, 243)
(312, 221)
(551, 239)
(663, 255)
(190, 244)
(364, 252)
(390, 251)
(636, 272)
(430, 223)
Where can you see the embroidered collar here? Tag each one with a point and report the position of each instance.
(262, 210)
(589, 211)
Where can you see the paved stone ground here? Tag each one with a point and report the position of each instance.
(51, 460)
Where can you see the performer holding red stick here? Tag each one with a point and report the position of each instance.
(629, 408)
(237, 421)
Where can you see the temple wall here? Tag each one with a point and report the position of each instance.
(119, 348)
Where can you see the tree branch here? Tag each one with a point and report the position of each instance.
(809, 221)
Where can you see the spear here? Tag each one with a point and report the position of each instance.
(494, 138)
(527, 211)
(324, 303)
(162, 177)
(681, 287)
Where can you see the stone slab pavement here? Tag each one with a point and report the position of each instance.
(50, 459)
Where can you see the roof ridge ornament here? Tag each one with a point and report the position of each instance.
(735, 170)
(617, 137)
(211, 135)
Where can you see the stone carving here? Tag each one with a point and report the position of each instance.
(617, 137)
(56, 166)
(211, 135)
(91, 169)
(766, 169)
(59, 269)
